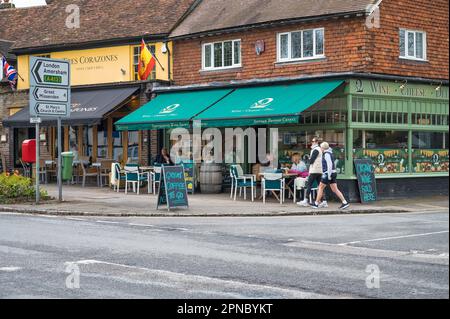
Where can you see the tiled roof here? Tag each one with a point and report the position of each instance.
(212, 15)
(100, 20)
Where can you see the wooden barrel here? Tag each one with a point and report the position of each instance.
(211, 178)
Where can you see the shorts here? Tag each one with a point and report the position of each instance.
(327, 181)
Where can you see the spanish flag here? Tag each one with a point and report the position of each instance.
(146, 62)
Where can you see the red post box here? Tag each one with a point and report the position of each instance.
(29, 151)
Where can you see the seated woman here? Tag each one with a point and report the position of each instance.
(298, 166)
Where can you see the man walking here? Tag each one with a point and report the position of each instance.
(329, 177)
(315, 172)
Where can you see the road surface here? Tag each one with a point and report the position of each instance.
(346, 256)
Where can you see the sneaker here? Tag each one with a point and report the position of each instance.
(344, 206)
(303, 203)
(324, 204)
(314, 205)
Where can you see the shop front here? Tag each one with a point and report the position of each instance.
(89, 132)
(402, 128)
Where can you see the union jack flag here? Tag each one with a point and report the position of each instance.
(9, 72)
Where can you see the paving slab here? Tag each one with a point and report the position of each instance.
(94, 201)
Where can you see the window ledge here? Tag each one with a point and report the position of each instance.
(412, 60)
(283, 63)
(221, 70)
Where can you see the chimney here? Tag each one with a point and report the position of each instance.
(6, 5)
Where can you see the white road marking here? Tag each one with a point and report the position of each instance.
(10, 269)
(77, 219)
(141, 225)
(198, 282)
(391, 238)
(106, 222)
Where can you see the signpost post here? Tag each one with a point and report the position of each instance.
(49, 98)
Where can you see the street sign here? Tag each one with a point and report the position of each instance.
(50, 94)
(49, 97)
(51, 109)
(49, 87)
(49, 72)
(35, 120)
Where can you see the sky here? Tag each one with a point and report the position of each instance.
(27, 3)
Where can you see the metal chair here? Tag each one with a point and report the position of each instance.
(88, 174)
(118, 176)
(273, 182)
(104, 170)
(133, 176)
(26, 169)
(156, 177)
(242, 181)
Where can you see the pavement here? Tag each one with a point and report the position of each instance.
(331, 256)
(94, 201)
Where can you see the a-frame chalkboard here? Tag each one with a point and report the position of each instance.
(172, 189)
(367, 183)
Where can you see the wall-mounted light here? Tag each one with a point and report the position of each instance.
(164, 48)
(4, 138)
(403, 85)
(439, 86)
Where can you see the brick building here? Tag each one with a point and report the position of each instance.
(381, 68)
(102, 41)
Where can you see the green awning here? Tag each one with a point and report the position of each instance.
(170, 110)
(265, 105)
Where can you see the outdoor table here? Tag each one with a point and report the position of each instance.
(289, 177)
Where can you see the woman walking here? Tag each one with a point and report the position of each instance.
(329, 177)
(315, 172)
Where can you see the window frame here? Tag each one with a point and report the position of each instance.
(315, 56)
(405, 39)
(233, 64)
(152, 48)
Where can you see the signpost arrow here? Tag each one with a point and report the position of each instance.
(48, 72)
(52, 109)
(42, 93)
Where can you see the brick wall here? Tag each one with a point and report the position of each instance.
(422, 15)
(9, 99)
(345, 44)
(349, 47)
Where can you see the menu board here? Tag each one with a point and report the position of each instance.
(366, 180)
(189, 175)
(173, 189)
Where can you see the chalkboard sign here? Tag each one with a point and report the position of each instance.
(189, 175)
(173, 189)
(366, 180)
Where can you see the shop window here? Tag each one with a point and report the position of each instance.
(294, 140)
(413, 45)
(136, 58)
(301, 45)
(221, 55)
(133, 147)
(88, 141)
(117, 144)
(430, 152)
(387, 150)
(20, 135)
(74, 142)
(102, 140)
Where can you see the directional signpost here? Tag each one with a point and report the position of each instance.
(49, 98)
